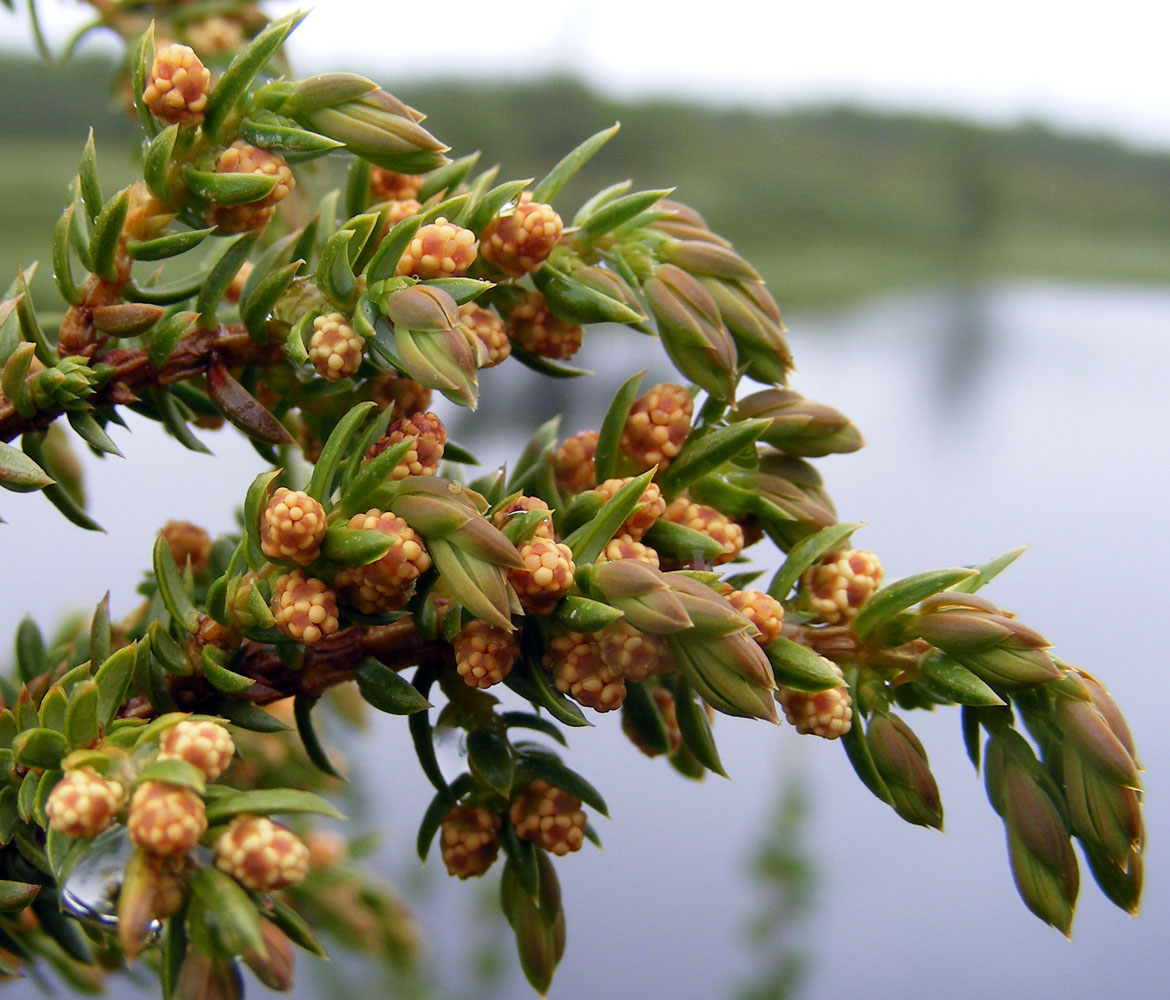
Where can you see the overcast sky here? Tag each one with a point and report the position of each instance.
(1101, 70)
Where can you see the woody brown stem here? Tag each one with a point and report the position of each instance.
(330, 662)
(133, 372)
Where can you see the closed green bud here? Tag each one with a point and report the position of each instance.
(753, 318)
(587, 294)
(126, 319)
(446, 360)
(1085, 728)
(642, 594)
(1105, 815)
(730, 673)
(903, 765)
(799, 426)
(1041, 854)
(372, 123)
(691, 330)
(421, 307)
(710, 613)
(707, 258)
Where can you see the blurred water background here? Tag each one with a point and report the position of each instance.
(991, 306)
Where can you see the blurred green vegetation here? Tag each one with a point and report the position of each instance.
(831, 204)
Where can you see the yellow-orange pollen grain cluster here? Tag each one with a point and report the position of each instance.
(764, 611)
(709, 521)
(525, 505)
(261, 855)
(635, 655)
(484, 654)
(650, 507)
(828, 714)
(242, 158)
(386, 185)
(657, 426)
(424, 456)
(468, 841)
(292, 527)
(546, 575)
(83, 803)
(205, 745)
(579, 670)
(335, 349)
(837, 586)
(177, 86)
(489, 328)
(519, 242)
(305, 609)
(188, 541)
(549, 816)
(624, 547)
(387, 583)
(573, 465)
(533, 327)
(165, 819)
(438, 250)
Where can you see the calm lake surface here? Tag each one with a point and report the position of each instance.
(1017, 415)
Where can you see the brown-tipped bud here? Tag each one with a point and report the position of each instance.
(1000, 650)
(402, 396)
(545, 576)
(901, 761)
(489, 328)
(484, 654)
(753, 318)
(83, 803)
(388, 185)
(421, 307)
(763, 611)
(388, 583)
(430, 437)
(550, 817)
(1086, 728)
(634, 655)
(713, 524)
(519, 242)
(657, 426)
(828, 714)
(335, 349)
(692, 330)
(205, 745)
(165, 819)
(578, 669)
(836, 587)
(305, 609)
(798, 425)
(642, 594)
(1039, 848)
(188, 541)
(292, 527)
(525, 505)
(650, 507)
(533, 326)
(261, 855)
(469, 841)
(439, 250)
(275, 964)
(177, 86)
(624, 547)
(242, 158)
(573, 465)
(709, 610)
(700, 256)
(664, 702)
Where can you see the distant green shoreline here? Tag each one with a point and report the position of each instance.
(832, 205)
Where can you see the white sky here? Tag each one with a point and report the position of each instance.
(1101, 69)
